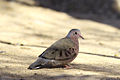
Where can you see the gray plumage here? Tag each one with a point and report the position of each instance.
(60, 53)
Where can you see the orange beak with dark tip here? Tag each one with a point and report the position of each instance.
(81, 36)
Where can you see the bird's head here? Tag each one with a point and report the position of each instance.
(74, 33)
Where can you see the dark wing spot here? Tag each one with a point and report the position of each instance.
(61, 53)
(52, 52)
(66, 54)
(67, 58)
(70, 48)
(73, 50)
(56, 49)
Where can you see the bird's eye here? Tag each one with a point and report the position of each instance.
(75, 32)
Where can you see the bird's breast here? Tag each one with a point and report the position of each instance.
(76, 42)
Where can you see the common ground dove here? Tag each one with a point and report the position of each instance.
(60, 53)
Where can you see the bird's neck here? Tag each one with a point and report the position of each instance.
(74, 39)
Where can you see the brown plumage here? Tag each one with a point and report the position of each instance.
(60, 53)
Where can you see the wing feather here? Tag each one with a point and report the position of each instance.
(60, 50)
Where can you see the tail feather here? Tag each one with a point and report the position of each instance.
(39, 63)
(45, 63)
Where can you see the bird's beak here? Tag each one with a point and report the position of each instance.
(81, 36)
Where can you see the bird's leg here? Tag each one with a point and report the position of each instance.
(68, 66)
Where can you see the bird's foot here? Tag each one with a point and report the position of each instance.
(68, 66)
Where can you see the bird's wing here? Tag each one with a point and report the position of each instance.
(61, 50)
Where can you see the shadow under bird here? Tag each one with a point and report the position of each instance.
(61, 53)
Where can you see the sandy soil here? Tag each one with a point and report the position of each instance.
(26, 31)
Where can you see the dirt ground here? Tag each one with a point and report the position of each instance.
(26, 31)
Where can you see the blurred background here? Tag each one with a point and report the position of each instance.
(28, 27)
(100, 10)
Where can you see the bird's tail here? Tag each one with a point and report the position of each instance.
(39, 63)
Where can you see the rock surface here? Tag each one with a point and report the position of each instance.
(26, 31)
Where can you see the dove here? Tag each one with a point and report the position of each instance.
(60, 53)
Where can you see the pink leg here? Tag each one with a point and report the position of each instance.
(67, 66)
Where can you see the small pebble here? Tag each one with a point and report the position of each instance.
(100, 43)
(35, 73)
(2, 51)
